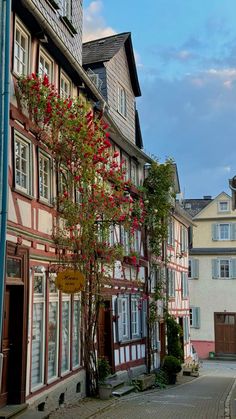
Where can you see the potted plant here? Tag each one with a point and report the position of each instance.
(104, 388)
(171, 365)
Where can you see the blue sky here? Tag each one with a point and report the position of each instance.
(186, 60)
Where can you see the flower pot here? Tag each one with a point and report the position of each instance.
(105, 391)
(172, 378)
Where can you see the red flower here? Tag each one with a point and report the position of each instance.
(45, 80)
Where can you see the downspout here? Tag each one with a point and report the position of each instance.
(4, 136)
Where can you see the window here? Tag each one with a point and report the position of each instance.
(65, 334)
(224, 231)
(132, 314)
(135, 329)
(44, 177)
(53, 329)
(223, 206)
(170, 237)
(124, 318)
(193, 268)
(63, 181)
(76, 334)
(124, 239)
(22, 164)
(121, 101)
(223, 268)
(171, 283)
(195, 317)
(184, 285)
(134, 173)
(45, 66)
(126, 166)
(183, 239)
(66, 7)
(38, 331)
(65, 86)
(21, 50)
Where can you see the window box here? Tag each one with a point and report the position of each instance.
(68, 24)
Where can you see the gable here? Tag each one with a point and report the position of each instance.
(212, 210)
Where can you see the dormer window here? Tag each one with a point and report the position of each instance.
(66, 8)
(121, 101)
(223, 206)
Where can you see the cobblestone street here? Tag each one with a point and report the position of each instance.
(208, 396)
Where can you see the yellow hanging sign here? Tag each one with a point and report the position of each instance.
(70, 281)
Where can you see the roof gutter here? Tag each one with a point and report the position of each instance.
(63, 48)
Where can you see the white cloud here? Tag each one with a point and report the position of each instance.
(94, 23)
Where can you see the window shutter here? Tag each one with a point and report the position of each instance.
(197, 317)
(233, 231)
(215, 268)
(195, 268)
(144, 319)
(215, 231)
(119, 320)
(233, 268)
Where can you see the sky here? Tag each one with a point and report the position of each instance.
(186, 60)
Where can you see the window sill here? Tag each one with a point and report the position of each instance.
(68, 25)
(46, 203)
(25, 194)
(121, 114)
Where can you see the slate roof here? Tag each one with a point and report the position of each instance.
(194, 206)
(103, 49)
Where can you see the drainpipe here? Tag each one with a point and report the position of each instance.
(5, 18)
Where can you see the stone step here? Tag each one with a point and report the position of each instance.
(12, 410)
(33, 414)
(115, 382)
(122, 391)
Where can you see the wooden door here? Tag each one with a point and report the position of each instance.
(105, 335)
(14, 337)
(225, 333)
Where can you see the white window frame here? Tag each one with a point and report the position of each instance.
(66, 298)
(23, 142)
(66, 7)
(47, 158)
(39, 298)
(124, 240)
(134, 173)
(54, 298)
(135, 317)
(76, 299)
(66, 81)
(122, 101)
(47, 59)
(220, 205)
(23, 32)
(221, 235)
(125, 318)
(224, 264)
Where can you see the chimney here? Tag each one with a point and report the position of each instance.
(207, 197)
